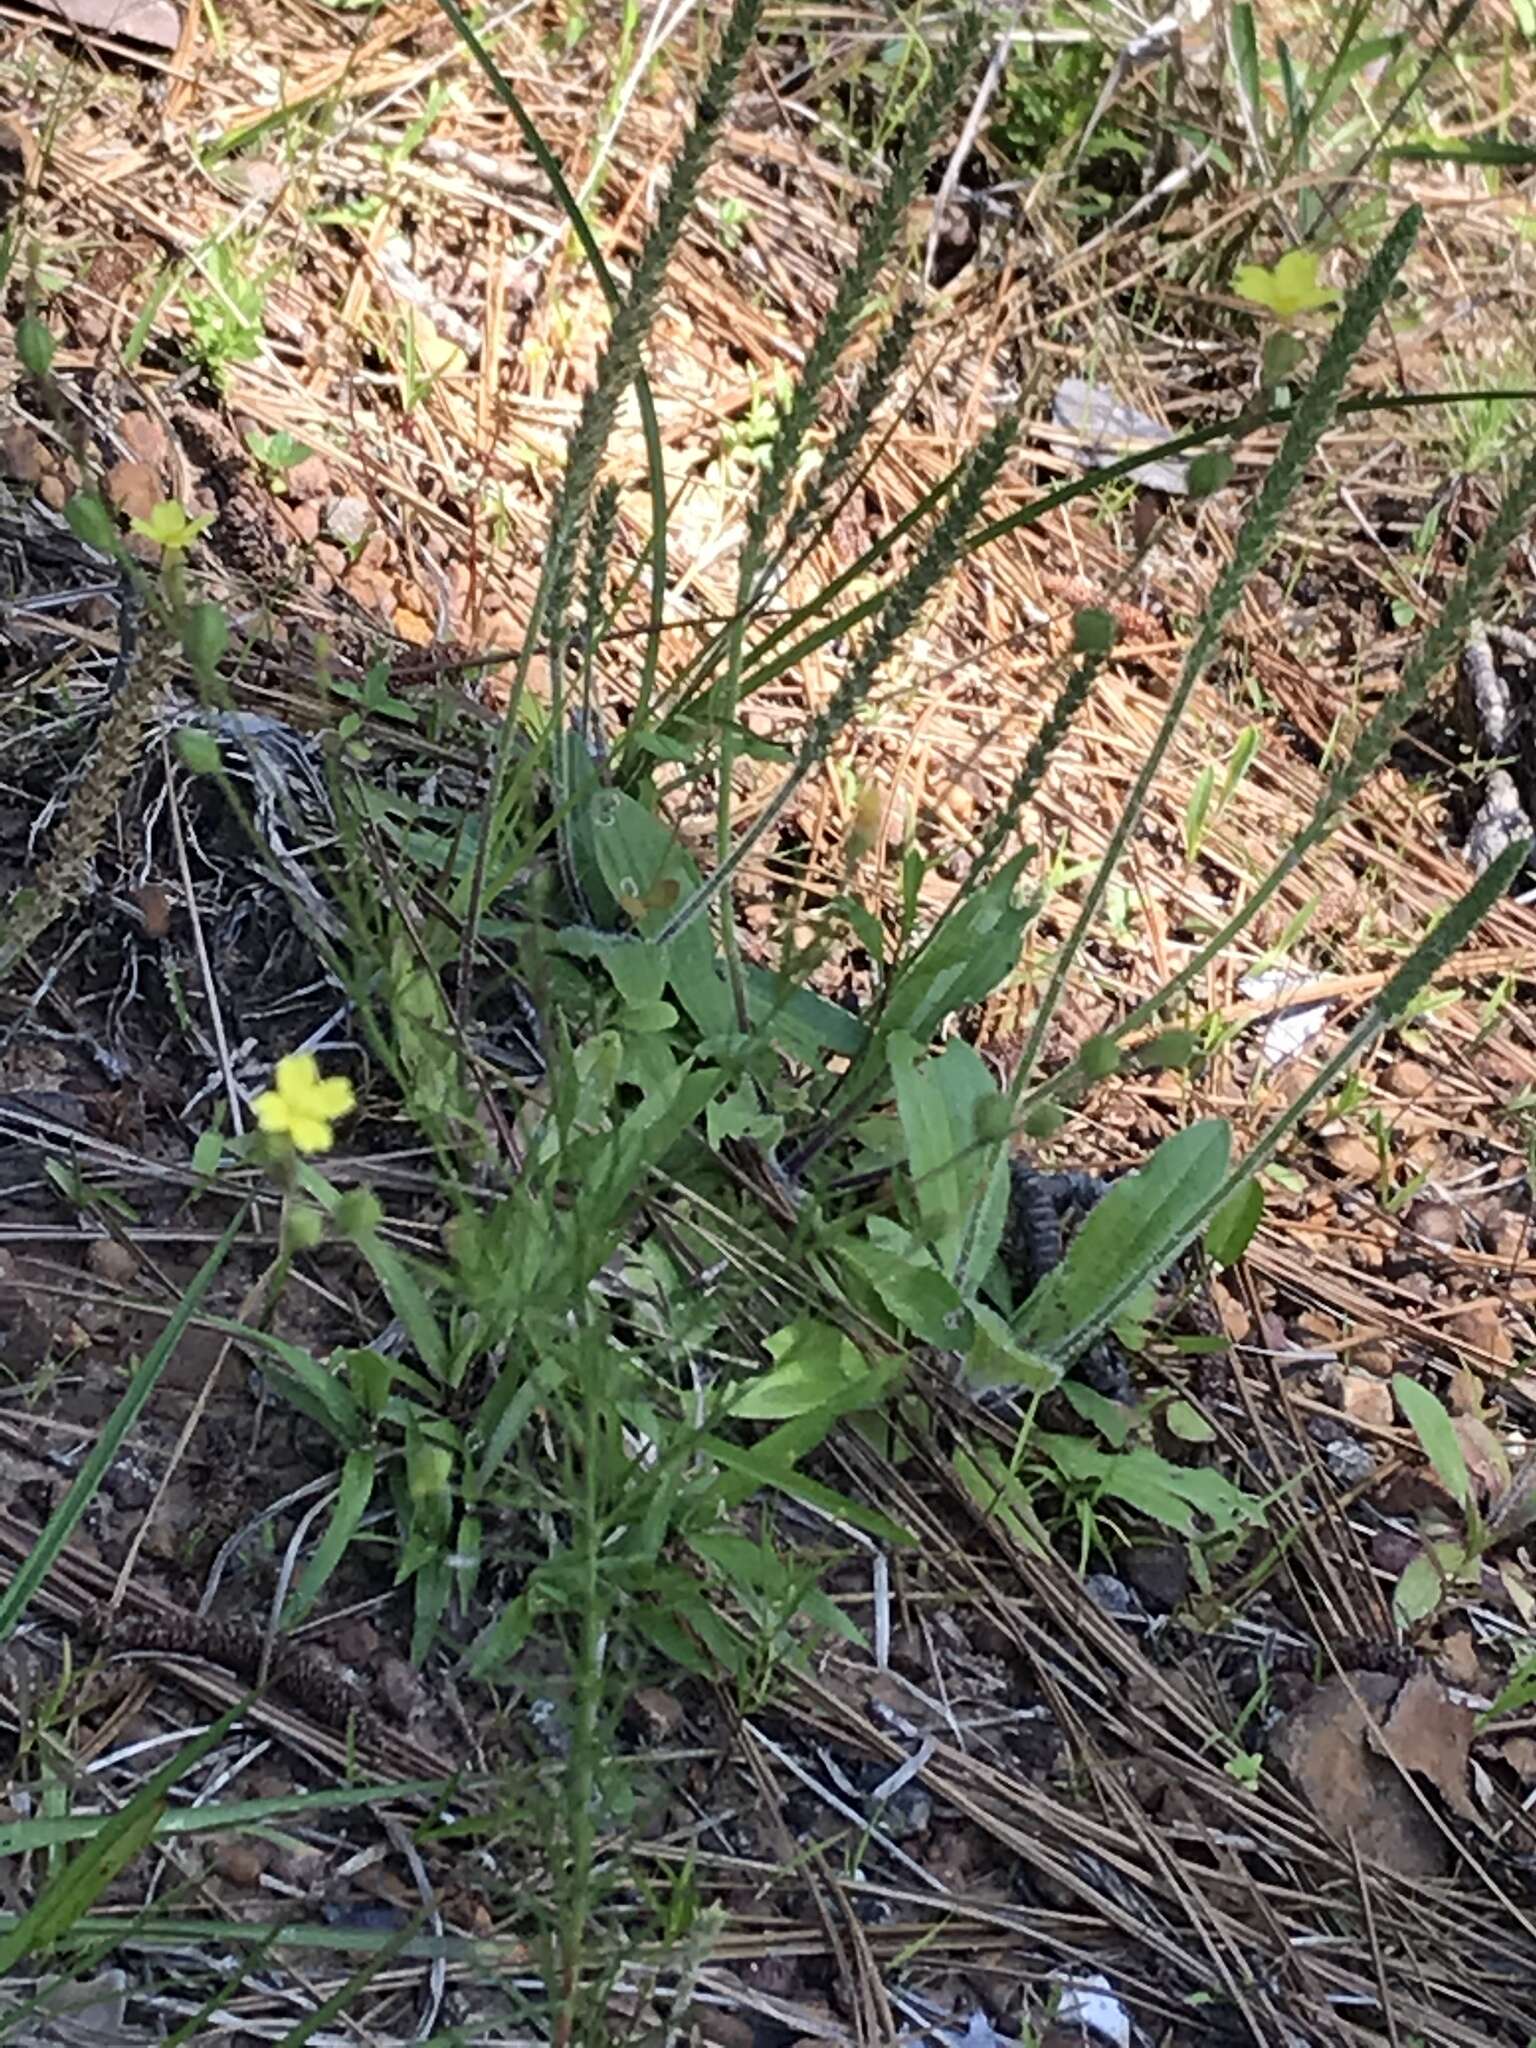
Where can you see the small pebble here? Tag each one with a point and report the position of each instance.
(310, 478)
(144, 438)
(241, 1863)
(112, 1261)
(1436, 1222)
(1158, 1572)
(1480, 1325)
(356, 1642)
(21, 455)
(1349, 1461)
(1408, 1079)
(133, 487)
(347, 520)
(400, 1689)
(1367, 1400)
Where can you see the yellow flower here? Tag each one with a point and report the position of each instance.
(302, 1105)
(1290, 288)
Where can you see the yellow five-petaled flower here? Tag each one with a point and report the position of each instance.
(303, 1105)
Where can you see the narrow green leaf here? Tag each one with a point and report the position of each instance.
(74, 1889)
(764, 1473)
(352, 1498)
(1230, 1231)
(1485, 149)
(59, 1830)
(1436, 1433)
(1245, 66)
(1187, 1423)
(1197, 810)
(1417, 1593)
(815, 1366)
(1127, 1239)
(409, 1300)
(316, 1390)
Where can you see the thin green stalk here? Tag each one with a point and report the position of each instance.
(1301, 129)
(1426, 961)
(595, 616)
(853, 1089)
(619, 366)
(902, 605)
(848, 302)
(649, 425)
(1440, 646)
(1313, 413)
(616, 369)
(811, 519)
(856, 282)
(63, 1521)
(636, 315)
(891, 352)
(1445, 34)
(763, 672)
(1069, 701)
(580, 1784)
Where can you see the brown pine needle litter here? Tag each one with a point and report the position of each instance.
(313, 233)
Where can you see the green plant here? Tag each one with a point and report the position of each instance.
(703, 1224)
(1447, 1564)
(277, 452)
(225, 314)
(1050, 118)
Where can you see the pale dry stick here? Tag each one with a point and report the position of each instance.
(404, 1844)
(286, 1570)
(991, 79)
(181, 72)
(661, 27)
(231, 1544)
(493, 336)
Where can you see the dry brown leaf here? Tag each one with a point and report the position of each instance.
(1430, 1734)
(1464, 1392)
(1481, 1325)
(1486, 1462)
(1456, 1658)
(1327, 1747)
(133, 487)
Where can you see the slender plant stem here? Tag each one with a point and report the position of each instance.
(1313, 413)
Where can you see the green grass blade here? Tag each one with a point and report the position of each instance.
(1440, 646)
(353, 1496)
(236, 1816)
(71, 1893)
(549, 166)
(1306, 109)
(1427, 959)
(903, 602)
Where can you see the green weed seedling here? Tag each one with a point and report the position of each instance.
(278, 452)
(225, 315)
